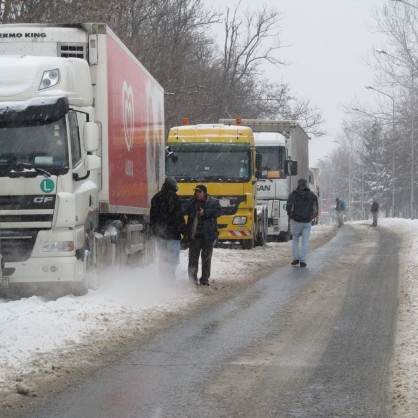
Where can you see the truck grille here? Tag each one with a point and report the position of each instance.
(17, 245)
(230, 208)
(26, 202)
(21, 218)
(22, 211)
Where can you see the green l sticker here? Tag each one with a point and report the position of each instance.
(47, 185)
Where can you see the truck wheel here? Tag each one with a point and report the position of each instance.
(260, 240)
(90, 278)
(284, 236)
(262, 236)
(120, 250)
(247, 244)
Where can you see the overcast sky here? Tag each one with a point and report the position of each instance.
(327, 44)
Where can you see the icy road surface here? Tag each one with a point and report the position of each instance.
(57, 341)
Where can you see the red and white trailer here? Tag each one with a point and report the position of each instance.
(81, 153)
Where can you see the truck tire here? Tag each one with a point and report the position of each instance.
(261, 238)
(248, 244)
(284, 237)
(90, 278)
(120, 249)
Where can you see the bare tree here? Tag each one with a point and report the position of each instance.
(172, 40)
(249, 40)
(396, 67)
(58, 11)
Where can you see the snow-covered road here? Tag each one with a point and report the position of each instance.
(35, 333)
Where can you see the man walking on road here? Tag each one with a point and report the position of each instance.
(302, 207)
(374, 209)
(340, 208)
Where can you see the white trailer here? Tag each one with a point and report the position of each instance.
(282, 157)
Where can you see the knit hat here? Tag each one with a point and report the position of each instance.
(171, 183)
(202, 188)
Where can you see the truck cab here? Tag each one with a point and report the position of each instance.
(222, 157)
(46, 146)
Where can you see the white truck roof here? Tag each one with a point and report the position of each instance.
(22, 74)
(269, 139)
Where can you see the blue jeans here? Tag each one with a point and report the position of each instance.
(168, 256)
(300, 230)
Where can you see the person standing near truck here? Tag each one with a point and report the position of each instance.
(302, 207)
(340, 209)
(167, 223)
(201, 231)
(374, 209)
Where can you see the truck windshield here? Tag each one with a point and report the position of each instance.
(273, 162)
(36, 144)
(214, 163)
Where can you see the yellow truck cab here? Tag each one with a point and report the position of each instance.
(223, 158)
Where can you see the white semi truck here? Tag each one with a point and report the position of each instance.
(81, 154)
(282, 148)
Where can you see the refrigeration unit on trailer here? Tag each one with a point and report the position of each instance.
(81, 153)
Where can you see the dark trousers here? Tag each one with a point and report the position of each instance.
(196, 250)
(374, 214)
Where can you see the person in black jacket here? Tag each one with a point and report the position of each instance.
(201, 231)
(374, 209)
(302, 207)
(167, 223)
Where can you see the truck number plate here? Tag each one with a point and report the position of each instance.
(4, 281)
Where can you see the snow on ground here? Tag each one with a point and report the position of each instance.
(35, 332)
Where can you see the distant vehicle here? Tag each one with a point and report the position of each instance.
(81, 154)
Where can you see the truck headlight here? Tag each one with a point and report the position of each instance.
(49, 79)
(239, 220)
(57, 246)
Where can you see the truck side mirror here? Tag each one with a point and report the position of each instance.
(258, 161)
(169, 154)
(291, 168)
(91, 137)
(92, 162)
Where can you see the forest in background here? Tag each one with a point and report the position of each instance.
(175, 40)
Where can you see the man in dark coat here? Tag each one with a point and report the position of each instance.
(302, 207)
(374, 209)
(201, 231)
(167, 223)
